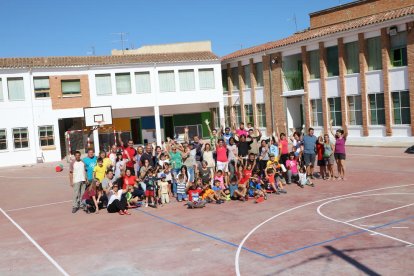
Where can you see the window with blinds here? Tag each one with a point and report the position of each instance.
(258, 74)
(314, 66)
(246, 76)
(352, 57)
(41, 87)
(103, 84)
(166, 81)
(70, 87)
(355, 110)
(187, 80)
(123, 83)
(1, 91)
(317, 115)
(143, 82)
(374, 53)
(206, 78)
(15, 88)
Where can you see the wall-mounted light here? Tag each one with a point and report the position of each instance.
(275, 61)
(393, 30)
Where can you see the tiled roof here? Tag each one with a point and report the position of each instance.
(314, 33)
(104, 60)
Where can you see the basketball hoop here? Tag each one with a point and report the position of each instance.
(98, 125)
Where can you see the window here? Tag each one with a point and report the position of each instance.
(317, 117)
(376, 109)
(227, 115)
(399, 49)
(143, 82)
(41, 87)
(237, 114)
(187, 82)
(224, 80)
(1, 91)
(206, 78)
(332, 60)
(352, 57)
(103, 84)
(249, 113)
(335, 111)
(46, 137)
(355, 110)
(71, 87)
(166, 81)
(246, 76)
(401, 106)
(20, 138)
(123, 83)
(216, 116)
(314, 66)
(374, 53)
(258, 74)
(261, 115)
(235, 78)
(3, 139)
(16, 89)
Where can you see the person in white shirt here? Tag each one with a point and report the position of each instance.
(116, 202)
(77, 180)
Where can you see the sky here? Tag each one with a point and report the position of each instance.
(76, 27)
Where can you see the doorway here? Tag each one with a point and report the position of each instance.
(136, 131)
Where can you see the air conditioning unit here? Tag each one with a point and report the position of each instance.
(393, 30)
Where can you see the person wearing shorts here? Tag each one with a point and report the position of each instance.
(328, 156)
(309, 155)
(222, 159)
(339, 152)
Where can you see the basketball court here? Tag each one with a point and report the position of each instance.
(364, 225)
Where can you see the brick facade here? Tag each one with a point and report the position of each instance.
(342, 86)
(385, 52)
(363, 68)
(266, 83)
(71, 101)
(279, 109)
(324, 73)
(242, 85)
(410, 59)
(354, 11)
(306, 77)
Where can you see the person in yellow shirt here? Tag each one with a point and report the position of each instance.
(100, 170)
(272, 161)
(107, 162)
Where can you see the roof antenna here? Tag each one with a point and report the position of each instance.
(92, 52)
(294, 20)
(123, 39)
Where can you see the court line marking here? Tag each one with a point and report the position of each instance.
(359, 227)
(237, 256)
(36, 206)
(33, 177)
(379, 213)
(35, 243)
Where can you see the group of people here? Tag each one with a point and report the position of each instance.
(233, 164)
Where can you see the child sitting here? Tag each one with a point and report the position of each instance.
(279, 177)
(219, 176)
(303, 179)
(233, 185)
(131, 197)
(219, 191)
(194, 198)
(270, 177)
(255, 188)
(209, 195)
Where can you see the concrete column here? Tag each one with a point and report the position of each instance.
(96, 141)
(342, 86)
(324, 74)
(363, 68)
(410, 60)
(240, 72)
(385, 53)
(253, 85)
(157, 125)
(306, 77)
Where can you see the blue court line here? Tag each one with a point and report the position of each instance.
(355, 233)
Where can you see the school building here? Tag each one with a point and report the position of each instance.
(354, 64)
(154, 91)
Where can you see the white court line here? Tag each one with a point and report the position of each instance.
(35, 244)
(236, 259)
(379, 155)
(400, 227)
(359, 227)
(386, 211)
(41, 205)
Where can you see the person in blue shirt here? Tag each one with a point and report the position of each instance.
(90, 163)
(227, 135)
(309, 151)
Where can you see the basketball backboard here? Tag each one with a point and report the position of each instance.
(98, 116)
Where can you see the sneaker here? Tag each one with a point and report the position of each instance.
(74, 210)
(222, 201)
(259, 199)
(127, 213)
(218, 202)
(283, 191)
(265, 196)
(302, 186)
(146, 204)
(121, 213)
(243, 199)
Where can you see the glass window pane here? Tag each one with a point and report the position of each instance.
(235, 78)
(246, 76)
(314, 66)
(405, 116)
(123, 83)
(70, 87)
(224, 80)
(352, 57)
(1, 91)
(187, 80)
(397, 116)
(16, 89)
(332, 59)
(166, 81)
(143, 82)
(206, 78)
(405, 99)
(259, 74)
(358, 116)
(374, 53)
(381, 117)
(41, 83)
(103, 84)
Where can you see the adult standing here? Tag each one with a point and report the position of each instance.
(90, 163)
(77, 179)
(129, 153)
(309, 151)
(328, 155)
(176, 158)
(339, 152)
(147, 155)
